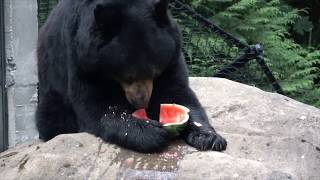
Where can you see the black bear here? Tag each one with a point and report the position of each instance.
(100, 60)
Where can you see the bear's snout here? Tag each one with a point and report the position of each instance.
(138, 93)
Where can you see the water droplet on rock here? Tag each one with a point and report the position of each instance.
(197, 124)
(303, 117)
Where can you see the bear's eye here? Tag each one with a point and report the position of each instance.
(108, 21)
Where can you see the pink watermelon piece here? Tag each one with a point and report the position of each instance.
(169, 114)
(140, 114)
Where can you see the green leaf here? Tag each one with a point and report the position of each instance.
(303, 25)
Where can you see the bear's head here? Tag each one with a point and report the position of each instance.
(134, 41)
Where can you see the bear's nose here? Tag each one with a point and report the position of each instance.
(138, 93)
(139, 102)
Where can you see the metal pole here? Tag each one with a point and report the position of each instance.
(234, 66)
(260, 60)
(268, 73)
(3, 93)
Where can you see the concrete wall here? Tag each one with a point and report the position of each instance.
(21, 30)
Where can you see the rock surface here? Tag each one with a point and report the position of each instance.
(270, 136)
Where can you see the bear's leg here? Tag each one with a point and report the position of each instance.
(132, 133)
(119, 127)
(54, 117)
(198, 132)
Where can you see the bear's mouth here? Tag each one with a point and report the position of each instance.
(138, 93)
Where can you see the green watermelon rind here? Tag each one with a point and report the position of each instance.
(175, 129)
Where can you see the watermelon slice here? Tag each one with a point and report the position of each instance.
(173, 117)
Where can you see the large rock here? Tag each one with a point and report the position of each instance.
(270, 136)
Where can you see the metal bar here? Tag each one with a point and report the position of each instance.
(260, 60)
(275, 85)
(255, 52)
(234, 66)
(3, 94)
(206, 22)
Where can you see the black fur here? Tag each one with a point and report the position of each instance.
(87, 47)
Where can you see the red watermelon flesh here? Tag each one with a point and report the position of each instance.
(169, 114)
(140, 114)
(173, 114)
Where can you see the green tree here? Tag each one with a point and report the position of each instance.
(270, 23)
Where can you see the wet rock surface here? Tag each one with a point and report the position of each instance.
(270, 137)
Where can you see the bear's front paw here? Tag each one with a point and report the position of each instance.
(148, 137)
(206, 140)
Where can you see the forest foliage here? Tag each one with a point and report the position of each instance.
(284, 31)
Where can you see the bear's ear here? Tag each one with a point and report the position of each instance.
(107, 14)
(160, 10)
